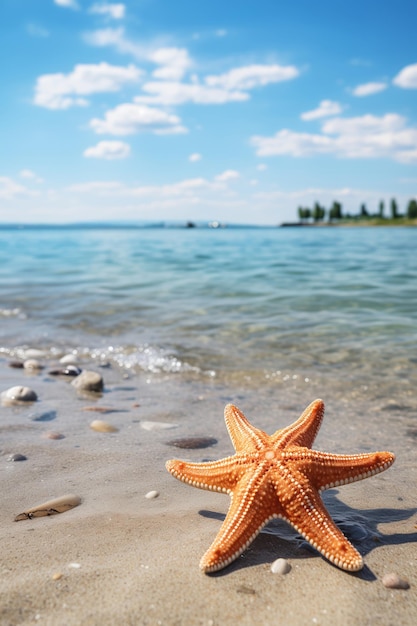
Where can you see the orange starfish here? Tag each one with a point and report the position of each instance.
(279, 476)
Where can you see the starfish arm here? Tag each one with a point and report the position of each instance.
(305, 511)
(304, 431)
(214, 476)
(332, 470)
(254, 504)
(244, 436)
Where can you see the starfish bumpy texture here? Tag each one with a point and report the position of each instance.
(279, 476)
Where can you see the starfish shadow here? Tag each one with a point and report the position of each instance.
(278, 539)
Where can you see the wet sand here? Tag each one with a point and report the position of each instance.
(122, 558)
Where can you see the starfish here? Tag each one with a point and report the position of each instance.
(279, 476)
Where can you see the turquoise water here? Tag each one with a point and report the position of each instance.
(331, 304)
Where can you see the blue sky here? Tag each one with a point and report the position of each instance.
(236, 111)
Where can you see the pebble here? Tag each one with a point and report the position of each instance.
(57, 576)
(70, 370)
(193, 442)
(393, 581)
(98, 409)
(17, 457)
(88, 381)
(45, 416)
(158, 425)
(51, 434)
(16, 364)
(18, 395)
(32, 365)
(151, 495)
(51, 507)
(103, 427)
(68, 359)
(280, 566)
(34, 353)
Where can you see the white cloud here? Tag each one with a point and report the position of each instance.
(69, 4)
(115, 38)
(99, 187)
(326, 108)
(61, 91)
(261, 167)
(367, 89)
(227, 175)
(29, 175)
(128, 119)
(108, 150)
(9, 189)
(368, 136)
(174, 62)
(175, 93)
(250, 76)
(407, 77)
(195, 157)
(221, 32)
(115, 11)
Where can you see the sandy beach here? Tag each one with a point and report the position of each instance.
(122, 558)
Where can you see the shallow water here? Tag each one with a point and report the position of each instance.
(311, 311)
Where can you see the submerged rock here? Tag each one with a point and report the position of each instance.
(88, 381)
(69, 359)
(33, 365)
(18, 395)
(70, 370)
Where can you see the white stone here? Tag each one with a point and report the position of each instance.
(18, 395)
(280, 566)
(32, 364)
(69, 359)
(152, 494)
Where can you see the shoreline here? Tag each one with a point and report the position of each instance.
(122, 558)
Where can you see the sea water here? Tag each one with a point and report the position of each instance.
(218, 300)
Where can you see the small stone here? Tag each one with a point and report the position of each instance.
(68, 359)
(34, 353)
(70, 370)
(43, 416)
(17, 457)
(103, 427)
(393, 581)
(57, 576)
(88, 381)
(16, 364)
(18, 395)
(193, 442)
(151, 495)
(98, 409)
(74, 565)
(158, 425)
(32, 365)
(280, 566)
(53, 435)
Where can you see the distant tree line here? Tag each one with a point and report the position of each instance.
(319, 213)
